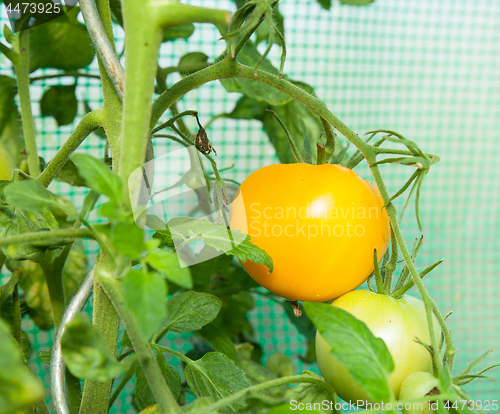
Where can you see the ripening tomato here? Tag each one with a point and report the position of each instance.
(397, 322)
(319, 223)
(418, 385)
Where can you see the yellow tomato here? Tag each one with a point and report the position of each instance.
(6, 164)
(319, 223)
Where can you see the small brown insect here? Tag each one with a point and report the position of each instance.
(202, 142)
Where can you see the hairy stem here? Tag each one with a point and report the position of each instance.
(88, 123)
(21, 67)
(96, 395)
(46, 237)
(164, 397)
(258, 388)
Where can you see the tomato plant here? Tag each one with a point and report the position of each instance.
(145, 283)
(319, 223)
(397, 322)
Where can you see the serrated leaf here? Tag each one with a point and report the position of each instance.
(185, 230)
(60, 102)
(191, 311)
(249, 55)
(85, 353)
(365, 356)
(219, 341)
(19, 388)
(280, 364)
(216, 376)
(145, 295)
(167, 263)
(63, 43)
(28, 195)
(98, 176)
(127, 238)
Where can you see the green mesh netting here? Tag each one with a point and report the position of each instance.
(427, 69)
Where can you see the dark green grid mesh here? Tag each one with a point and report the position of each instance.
(426, 69)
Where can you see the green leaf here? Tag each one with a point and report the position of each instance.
(216, 376)
(28, 195)
(69, 174)
(191, 311)
(145, 295)
(75, 269)
(249, 55)
(63, 43)
(60, 102)
(192, 62)
(143, 396)
(232, 242)
(280, 364)
(219, 341)
(98, 176)
(36, 294)
(309, 393)
(19, 388)
(44, 356)
(326, 4)
(127, 238)
(183, 31)
(14, 221)
(167, 263)
(353, 345)
(294, 116)
(85, 353)
(248, 108)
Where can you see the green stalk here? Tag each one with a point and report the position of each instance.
(96, 395)
(142, 43)
(46, 237)
(88, 123)
(17, 314)
(21, 67)
(164, 397)
(229, 68)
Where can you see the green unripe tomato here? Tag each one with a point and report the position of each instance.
(397, 322)
(418, 385)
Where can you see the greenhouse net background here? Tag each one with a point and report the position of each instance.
(429, 70)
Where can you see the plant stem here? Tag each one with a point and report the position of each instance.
(169, 15)
(142, 44)
(255, 389)
(46, 237)
(164, 397)
(71, 73)
(23, 86)
(390, 267)
(88, 123)
(96, 395)
(330, 140)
